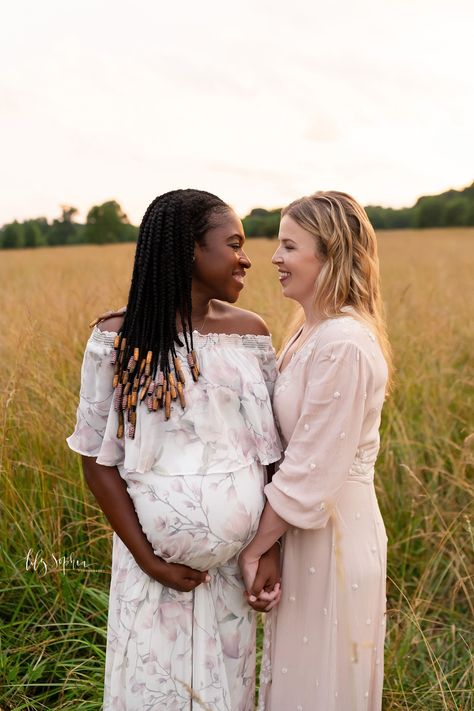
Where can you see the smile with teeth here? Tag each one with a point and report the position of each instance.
(240, 276)
(283, 275)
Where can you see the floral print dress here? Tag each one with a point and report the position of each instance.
(196, 482)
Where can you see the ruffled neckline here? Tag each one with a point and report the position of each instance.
(248, 340)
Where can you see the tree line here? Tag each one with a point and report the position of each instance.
(105, 224)
(453, 208)
(108, 223)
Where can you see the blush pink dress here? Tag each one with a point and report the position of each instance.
(324, 644)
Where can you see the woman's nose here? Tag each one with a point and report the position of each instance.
(276, 257)
(245, 261)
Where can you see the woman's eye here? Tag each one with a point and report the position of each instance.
(235, 246)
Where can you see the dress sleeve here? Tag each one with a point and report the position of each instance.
(325, 440)
(95, 396)
(268, 365)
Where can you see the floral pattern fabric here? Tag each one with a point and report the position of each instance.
(196, 482)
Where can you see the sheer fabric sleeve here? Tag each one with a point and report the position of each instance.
(268, 365)
(96, 395)
(325, 440)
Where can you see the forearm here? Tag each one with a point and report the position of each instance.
(111, 493)
(270, 529)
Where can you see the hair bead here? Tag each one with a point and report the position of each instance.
(182, 400)
(145, 347)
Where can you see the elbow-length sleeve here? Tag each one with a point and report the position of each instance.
(325, 440)
(96, 395)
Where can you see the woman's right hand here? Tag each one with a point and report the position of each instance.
(176, 576)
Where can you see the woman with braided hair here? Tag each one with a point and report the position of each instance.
(175, 428)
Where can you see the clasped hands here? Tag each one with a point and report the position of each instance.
(261, 578)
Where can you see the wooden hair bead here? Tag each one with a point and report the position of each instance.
(123, 343)
(117, 341)
(125, 377)
(133, 417)
(168, 405)
(120, 424)
(179, 371)
(133, 399)
(159, 392)
(136, 354)
(182, 400)
(147, 369)
(195, 373)
(127, 388)
(172, 386)
(156, 403)
(149, 356)
(115, 380)
(151, 387)
(142, 365)
(161, 378)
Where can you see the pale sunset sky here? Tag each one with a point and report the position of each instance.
(257, 101)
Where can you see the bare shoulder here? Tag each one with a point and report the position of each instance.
(110, 321)
(240, 321)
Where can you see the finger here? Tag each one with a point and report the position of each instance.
(258, 606)
(272, 604)
(201, 576)
(268, 595)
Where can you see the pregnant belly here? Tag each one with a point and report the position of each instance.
(199, 520)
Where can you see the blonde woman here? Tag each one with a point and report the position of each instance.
(323, 648)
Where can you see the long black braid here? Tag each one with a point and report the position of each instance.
(146, 365)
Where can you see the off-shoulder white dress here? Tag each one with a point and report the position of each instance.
(324, 644)
(196, 482)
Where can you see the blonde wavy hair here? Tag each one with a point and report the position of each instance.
(346, 243)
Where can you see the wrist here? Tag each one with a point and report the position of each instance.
(149, 562)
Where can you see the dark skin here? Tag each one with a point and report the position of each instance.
(219, 268)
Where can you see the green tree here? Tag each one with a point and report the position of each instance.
(13, 236)
(33, 235)
(107, 223)
(63, 231)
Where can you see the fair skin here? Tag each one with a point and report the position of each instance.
(298, 267)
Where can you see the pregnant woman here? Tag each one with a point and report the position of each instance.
(175, 428)
(323, 649)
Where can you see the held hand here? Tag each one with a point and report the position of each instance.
(265, 592)
(176, 576)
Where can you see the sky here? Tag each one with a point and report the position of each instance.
(258, 101)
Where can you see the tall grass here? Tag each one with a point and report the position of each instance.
(53, 610)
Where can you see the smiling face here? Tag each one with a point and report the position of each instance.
(220, 261)
(298, 262)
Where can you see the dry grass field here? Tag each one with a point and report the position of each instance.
(56, 543)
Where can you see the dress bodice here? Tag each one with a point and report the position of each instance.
(227, 422)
